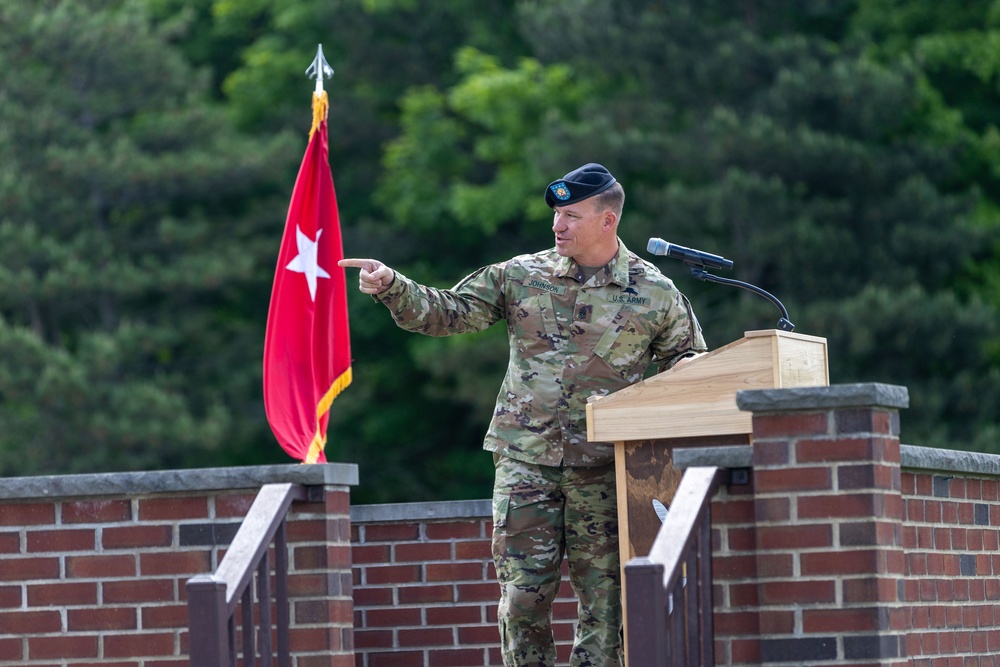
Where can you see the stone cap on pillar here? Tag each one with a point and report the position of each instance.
(868, 394)
(174, 481)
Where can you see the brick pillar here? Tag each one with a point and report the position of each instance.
(320, 587)
(828, 524)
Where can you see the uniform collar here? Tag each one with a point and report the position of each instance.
(567, 268)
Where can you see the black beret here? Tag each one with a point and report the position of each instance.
(577, 185)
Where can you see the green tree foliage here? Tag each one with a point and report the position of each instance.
(834, 180)
(955, 47)
(415, 415)
(843, 153)
(130, 229)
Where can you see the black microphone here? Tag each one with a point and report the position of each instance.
(689, 256)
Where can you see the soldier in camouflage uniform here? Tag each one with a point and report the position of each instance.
(584, 318)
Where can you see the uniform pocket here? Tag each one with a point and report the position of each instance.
(625, 346)
(501, 507)
(528, 321)
(610, 337)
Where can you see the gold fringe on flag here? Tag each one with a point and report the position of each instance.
(319, 440)
(320, 106)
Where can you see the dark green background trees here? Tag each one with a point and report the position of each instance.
(134, 219)
(844, 155)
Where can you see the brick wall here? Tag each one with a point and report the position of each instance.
(847, 548)
(93, 567)
(843, 548)
(951, 546)
(425, 591)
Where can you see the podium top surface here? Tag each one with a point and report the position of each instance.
(698, 398)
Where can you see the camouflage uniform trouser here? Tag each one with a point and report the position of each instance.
(539, 514)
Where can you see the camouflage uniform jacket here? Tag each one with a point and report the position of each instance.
(568, 340)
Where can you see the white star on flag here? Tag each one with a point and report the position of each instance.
(306, 261)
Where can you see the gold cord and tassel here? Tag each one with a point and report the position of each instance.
(320, 106)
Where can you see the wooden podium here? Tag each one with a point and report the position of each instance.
(689, 406)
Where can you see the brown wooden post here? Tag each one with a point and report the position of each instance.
(647, 636)
(208, 622)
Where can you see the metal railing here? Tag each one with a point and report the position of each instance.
(669, 593)
(213, 599)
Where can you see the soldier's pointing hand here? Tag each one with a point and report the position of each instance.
(375, 277)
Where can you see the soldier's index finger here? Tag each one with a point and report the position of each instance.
(355, 263)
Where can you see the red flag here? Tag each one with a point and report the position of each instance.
(307, 348)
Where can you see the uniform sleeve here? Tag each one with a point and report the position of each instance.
(681, 334)
(472, 305)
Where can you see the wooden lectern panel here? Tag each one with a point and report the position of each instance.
(644, 470)
(692, 405)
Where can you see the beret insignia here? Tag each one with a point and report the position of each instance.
(560, 191)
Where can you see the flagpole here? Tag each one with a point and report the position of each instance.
(307, 347)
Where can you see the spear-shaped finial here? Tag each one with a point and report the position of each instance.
(320, 69)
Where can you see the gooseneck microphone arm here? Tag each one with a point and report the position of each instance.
(697, 261)
(702, 274)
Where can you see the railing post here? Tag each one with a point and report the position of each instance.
(647, 615)
(264, 608)
(249, 632)
(281, 593)
(704, 588)
(675, 626)
(689, 646)
(208, 620)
